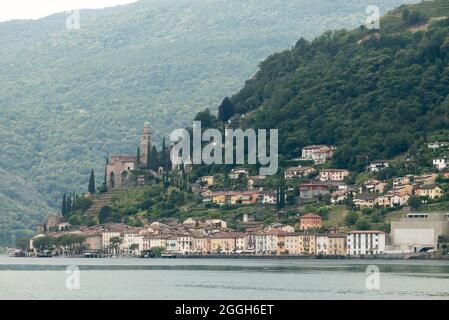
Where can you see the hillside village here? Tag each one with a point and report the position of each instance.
(363, 164)
(308, 193)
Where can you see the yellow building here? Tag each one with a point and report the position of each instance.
(291, 244)
(223, 243)
(307, 244)
(431, 191)
(336, 244)
(208, 180)
(219, 198)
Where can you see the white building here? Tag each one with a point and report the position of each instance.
(268, 197)
(365, 242)
(437, 144)
(241, 242)
(319, 154)
(106, 238)
(261, 245)
(378, 165)
(235, 174)
(321, 244)
(172, 244)
(184, 244)
(130, 239)
(272, 240)
(441, 163)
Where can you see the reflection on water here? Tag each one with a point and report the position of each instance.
(28, 278)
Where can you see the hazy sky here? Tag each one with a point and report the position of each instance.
(34, 9)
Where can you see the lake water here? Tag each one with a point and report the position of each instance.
(31, 278)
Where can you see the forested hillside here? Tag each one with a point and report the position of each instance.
(68, 98)
(375, 94)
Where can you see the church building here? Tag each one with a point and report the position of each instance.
(120, 167)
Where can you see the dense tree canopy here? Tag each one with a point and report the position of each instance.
(373, 95)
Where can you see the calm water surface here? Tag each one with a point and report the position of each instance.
(31, 278)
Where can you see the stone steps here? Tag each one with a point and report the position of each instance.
(102, 200)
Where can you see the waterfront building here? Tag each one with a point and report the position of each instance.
(223, 243)
(202, 245)
(261, 245)
(93, 240)
(184, 243)
(272, 240)
(365, 242)
(336, 245)
(132, 238)
(172, 244)
(418, 231)
(307, 244)
(106, 239)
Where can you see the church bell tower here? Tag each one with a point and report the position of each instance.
(145, 144)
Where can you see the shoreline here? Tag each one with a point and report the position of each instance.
(373, 257)
(397, 257)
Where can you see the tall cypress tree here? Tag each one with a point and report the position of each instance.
(69, 205)
(149, 156)
(138, 156)
(92, 182)
(163, 155)
(278, 196)
(106, 172)
(280, 193)
(74, 200)
(64, 205)
(154, 160)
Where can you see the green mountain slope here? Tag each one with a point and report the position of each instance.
(68, 98)
(374, 94)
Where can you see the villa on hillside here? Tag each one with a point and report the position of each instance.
(319, 154)
(441, 163)
(312, 191)
(333, 174)
(431, 191)
(378, 165)
(298, 172)
(437, 144)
